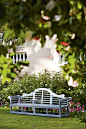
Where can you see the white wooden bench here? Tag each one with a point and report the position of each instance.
(41, 102)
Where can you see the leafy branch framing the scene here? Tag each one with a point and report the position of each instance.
(66, 18)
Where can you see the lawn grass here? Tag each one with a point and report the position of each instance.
(16, 121)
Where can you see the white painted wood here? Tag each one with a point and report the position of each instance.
(16, 57)
(20, 57)
(13, 60)
(23, 56)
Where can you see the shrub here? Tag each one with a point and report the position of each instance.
(53, 80)
(79, 93)
(76, 108)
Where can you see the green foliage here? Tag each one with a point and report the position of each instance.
(44, 79)
(20, 15)
(82, 117)
(27, 84)
(52, 80)
(2, 14)
(8, 70)
(79, 93)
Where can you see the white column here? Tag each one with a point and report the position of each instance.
(13, 60)
(16, 58)
(26, 56)
(23, 56)
(20, 57)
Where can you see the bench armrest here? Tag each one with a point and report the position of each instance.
(63, 99)
(16, 96)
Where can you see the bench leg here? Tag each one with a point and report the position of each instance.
(60, 112)
(11, 109)
(46, 110)
(34, 110)
(22, 109)
(60, 109)
(68, 110)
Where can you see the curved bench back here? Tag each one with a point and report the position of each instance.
(47, 96)
(44, 96)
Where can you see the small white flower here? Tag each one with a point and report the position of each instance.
(10, 43)
(50, 76)
(69, 89)
(21, 90)
(7, 55)
(57, 17)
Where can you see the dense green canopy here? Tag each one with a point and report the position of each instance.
(66, 18)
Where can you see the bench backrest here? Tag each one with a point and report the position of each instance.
(42, 96)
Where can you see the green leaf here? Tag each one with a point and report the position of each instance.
(8, 71)
(4, 72)
(13, 75)
(12, 54)
(79, 15)
(72, 61)
(2, 59)
(67, 76)
(83, 62)
(22, 34)
(7, 32)
(71, 2)
(8, 79)
(79, 5)
(25, 63)
(11, 66)
(4, 80)
(0, 71)
(5, 66)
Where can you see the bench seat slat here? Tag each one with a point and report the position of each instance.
(38, 105)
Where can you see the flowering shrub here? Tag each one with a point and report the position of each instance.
(27, 84)
(4, 104)
(53, 80)
(64, 110)
(76, 108)
(64, 43)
